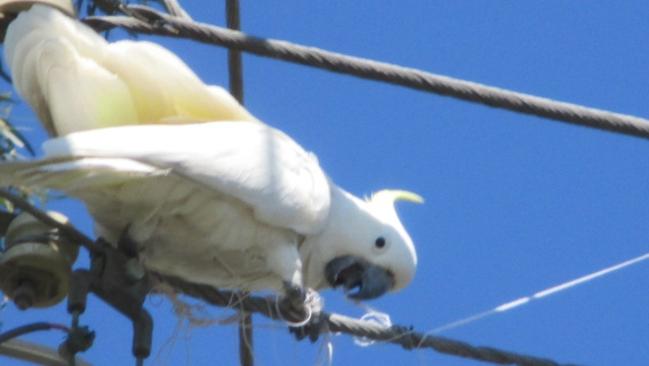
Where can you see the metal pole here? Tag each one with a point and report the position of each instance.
(235, 67)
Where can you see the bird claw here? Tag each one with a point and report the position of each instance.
(292, 305)
(312, 329)
(294, 294)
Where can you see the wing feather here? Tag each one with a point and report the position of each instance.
(261, 166)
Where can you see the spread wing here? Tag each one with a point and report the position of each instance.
(258, 165)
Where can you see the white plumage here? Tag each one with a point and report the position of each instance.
(206, 191)
(59, 65)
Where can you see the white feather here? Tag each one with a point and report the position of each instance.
(59, 65)
(261, 166)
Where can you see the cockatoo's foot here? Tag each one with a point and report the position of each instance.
(312, 329)
(292, 304)
(294, 295)
(294, 291)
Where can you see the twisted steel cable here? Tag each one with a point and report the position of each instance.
(143, 19)
(337, 323)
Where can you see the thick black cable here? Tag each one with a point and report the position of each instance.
(30, 328)
(151, 21)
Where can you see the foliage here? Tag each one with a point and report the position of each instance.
(11, 140)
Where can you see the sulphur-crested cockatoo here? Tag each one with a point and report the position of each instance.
(233, 203)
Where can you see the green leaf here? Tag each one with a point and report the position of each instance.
(13, 135)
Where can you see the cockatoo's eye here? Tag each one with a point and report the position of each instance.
(380, 242)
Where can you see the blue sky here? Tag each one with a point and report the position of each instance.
(514, 204)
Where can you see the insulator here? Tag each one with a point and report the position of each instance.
(36, 263)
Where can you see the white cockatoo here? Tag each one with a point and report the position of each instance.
(207, 192)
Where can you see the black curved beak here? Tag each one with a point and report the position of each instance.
(360, 279)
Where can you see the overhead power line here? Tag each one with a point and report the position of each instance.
(521, 301)
(337, 323)
(147, 20)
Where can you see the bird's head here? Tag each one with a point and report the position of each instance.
(364, 249)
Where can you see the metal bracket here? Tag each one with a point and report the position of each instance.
(116, 277)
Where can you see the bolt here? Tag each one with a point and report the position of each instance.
(134, 270)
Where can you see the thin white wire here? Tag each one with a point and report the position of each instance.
(326, 351)
(313, 303)
(510, 305)
(372, 316)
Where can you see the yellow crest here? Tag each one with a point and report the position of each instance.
(394, 195)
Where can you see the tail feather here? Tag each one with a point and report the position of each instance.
(75, 80)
